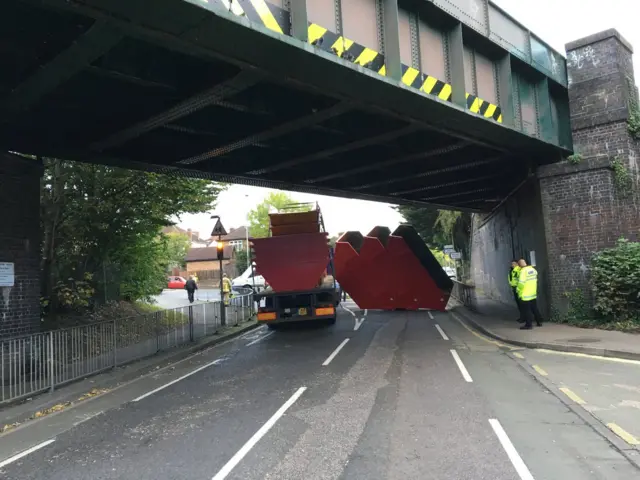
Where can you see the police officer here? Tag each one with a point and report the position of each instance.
(528, 293)
(514, 274)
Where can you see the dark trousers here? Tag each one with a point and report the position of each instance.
(515, 296)
(190, 294)
(529, 311)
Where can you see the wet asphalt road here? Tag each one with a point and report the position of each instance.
(392, 403)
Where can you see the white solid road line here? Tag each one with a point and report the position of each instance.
(430, 315)
(246, 448)
(463, 369)
(513, 454)
(335, 352)
(6, 462)
(348, 310)
(199, 369)
(259, 339)
(444, 335)
(358, 323)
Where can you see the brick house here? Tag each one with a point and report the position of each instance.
(237, 238)
(205, 259)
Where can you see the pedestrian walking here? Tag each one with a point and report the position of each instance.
(191, 286)
(528, 294)
(514, 274)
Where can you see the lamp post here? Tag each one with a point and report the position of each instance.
(219, 230)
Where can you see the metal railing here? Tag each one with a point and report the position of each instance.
(465, 294)
(42, 361)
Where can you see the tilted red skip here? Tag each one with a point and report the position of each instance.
(385, 271)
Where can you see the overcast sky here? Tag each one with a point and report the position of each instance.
(555, 21)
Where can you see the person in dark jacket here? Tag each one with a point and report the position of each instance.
(191, 286)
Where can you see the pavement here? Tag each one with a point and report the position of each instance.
(380, 395)
(499, 321)
(178, 298)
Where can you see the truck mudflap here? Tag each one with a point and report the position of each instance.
(391, 271)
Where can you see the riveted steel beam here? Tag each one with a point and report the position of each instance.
(448, 184)
(456, 64)
(505, 90)
(390, 162)
(429, 173)
(339, 149)
(299, 20)
(245, 79)
(278, 131)
(545, 119)
(94, 43)
(391, 32)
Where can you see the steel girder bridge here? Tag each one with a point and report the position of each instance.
(441, 102)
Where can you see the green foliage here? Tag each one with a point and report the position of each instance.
(621, 177)
(615, 280)
(440, 227)
(75, 294)
(578, 311)
(241, 261)
(633, 123)
(259, 216)
(177, 245)
(575, 159)
(105, 221)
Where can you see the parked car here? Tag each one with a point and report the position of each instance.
(248, 280)
(176, 282)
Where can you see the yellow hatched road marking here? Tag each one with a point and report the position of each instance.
(623, 434)
(539, 370)
(518, 355)
(572, 395)
(265, 14)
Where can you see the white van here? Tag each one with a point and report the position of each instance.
(248, 280)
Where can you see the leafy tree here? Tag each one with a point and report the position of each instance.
(105, 221)
(177, 245)
(241, 261)
(259, 216)
(423, 219)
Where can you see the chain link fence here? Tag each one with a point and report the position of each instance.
(43, 361)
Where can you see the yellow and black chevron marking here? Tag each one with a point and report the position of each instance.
(260, 11)
(277, 19)
(326, 40)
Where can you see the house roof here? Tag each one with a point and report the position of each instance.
(239, 233)
(207, 254)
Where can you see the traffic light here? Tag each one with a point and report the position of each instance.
(220, 250)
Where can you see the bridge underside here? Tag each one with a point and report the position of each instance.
(194, 91)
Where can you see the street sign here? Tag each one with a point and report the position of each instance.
(218, 229)
(455, 255)
(7, 274)
(448, 249)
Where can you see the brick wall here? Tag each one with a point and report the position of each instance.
(584, 212)
(20, 244)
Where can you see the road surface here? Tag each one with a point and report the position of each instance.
(178, 298)
(408, 395)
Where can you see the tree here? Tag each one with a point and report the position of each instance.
(259, 216)
(423, 219)
(105, 221)
(241, 261)
(176, 247)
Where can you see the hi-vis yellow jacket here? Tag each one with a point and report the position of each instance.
(514, 274)
(527, 284)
